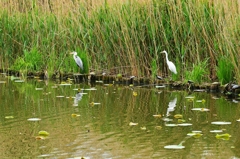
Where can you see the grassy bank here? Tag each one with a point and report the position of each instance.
(201, 37)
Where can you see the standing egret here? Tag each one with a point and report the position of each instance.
(77, 60)
(170, 64)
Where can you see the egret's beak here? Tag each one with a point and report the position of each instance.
(71, 53)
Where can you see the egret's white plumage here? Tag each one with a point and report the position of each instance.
(170, 64)
(77, 60)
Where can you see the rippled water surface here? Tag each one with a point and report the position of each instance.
(111, 121)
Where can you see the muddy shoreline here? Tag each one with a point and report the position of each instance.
(230, 90)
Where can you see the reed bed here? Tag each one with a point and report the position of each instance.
(123, 36)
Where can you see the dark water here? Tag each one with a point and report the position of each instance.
(103, 130)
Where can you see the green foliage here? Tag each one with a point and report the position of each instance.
(119, 34)
(225, 70)
(31, 61)
(198, 73)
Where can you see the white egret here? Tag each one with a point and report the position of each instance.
(170, 64)
(77, 60)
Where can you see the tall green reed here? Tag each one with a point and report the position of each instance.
(126, 36)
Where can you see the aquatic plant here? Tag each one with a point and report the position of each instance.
(225, 70)
(198, 72)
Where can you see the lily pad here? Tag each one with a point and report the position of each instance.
(43, 133)
(60, 96)
(190, 97)
(167, 119)
(93, 103)
(201, 109)
(171, 125)
(134, 93)
(216, 131)
(223, 136)
(133, 124)
(158, 127)
(2, 81)
(175, 147)
(75, 115)
(34, 119)
(178, 116)
(220, 123)
(185, 124)
(157, 115)
(162, 86)
(9, 117)
(196, 135)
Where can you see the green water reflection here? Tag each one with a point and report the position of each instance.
(103, 130)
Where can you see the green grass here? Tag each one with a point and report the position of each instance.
(198, 73)
(225, 70)
(121, 34)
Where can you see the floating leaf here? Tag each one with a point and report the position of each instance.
(90, 89)
(34, 119)
(223, 136)
(220, 123)
(119, 75)
(133, 124)
(178, 116)
(171, 125)
(43, 133)
(201, 109)
(238, 120)
(60, 96)
(92, 103)
(201, 101)
(197, 131)
(2, 81)
(157, 116)
(195, 135)
(9, 117)
(75, 115)
(143, 128)
(167, 119)
(190, 97)
(162, 86)
(185, 124)
(134, 93)
(158, 127)
(176, 147)
(181, 120)
(216, 131)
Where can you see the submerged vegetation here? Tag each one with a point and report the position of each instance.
(123, 37)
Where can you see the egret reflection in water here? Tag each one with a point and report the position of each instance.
(78, 98)
(171, 106)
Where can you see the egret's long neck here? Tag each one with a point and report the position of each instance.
(166, 56)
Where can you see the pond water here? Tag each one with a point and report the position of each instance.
(114, 121)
